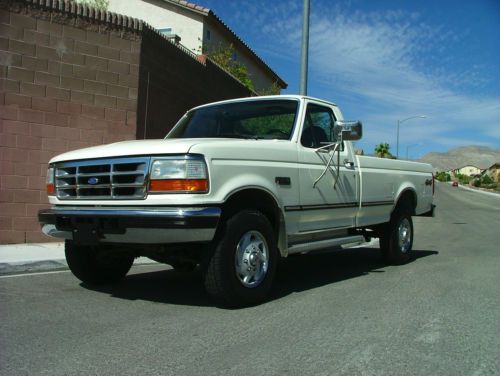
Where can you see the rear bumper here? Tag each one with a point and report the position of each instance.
(131, 225)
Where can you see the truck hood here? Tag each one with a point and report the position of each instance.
(130, 148)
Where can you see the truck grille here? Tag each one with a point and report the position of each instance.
(102, 179)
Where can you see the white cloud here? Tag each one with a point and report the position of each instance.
(378, 61)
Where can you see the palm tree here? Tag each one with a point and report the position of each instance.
(382, 150)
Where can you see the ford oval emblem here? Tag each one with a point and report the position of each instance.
(93, 181)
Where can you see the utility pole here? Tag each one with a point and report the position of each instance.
(305, 49)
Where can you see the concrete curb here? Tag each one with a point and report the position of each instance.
(493, 194)
(38, 257)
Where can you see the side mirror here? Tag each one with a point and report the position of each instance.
(348, 130)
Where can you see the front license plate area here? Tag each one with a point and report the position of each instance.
(86, 231)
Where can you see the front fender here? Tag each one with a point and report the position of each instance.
(234, 185)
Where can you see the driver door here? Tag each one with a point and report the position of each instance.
(327, 202)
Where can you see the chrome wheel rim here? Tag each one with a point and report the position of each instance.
(251, 259)
(404, 235)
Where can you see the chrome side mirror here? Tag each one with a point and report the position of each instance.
(347, 130)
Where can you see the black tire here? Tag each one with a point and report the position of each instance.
(396, 239)
(183, 266)
(243, 263)
(96, 265)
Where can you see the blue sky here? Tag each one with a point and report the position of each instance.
(381, 61)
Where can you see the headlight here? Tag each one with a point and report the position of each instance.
(50, 181)
(179, 175)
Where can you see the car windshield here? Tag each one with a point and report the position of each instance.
(263, 119)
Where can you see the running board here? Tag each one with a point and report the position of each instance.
(313, 246)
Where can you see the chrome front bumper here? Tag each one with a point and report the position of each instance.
(143, 225)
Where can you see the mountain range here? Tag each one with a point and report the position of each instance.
(479, 156)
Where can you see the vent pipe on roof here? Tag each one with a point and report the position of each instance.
(305, 49)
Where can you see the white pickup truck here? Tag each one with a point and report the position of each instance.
(233, 187)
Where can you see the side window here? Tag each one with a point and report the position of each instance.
(318, 126)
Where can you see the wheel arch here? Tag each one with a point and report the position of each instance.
(263, 201)
(407, 194)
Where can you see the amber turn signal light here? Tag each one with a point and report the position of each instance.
(179, 185)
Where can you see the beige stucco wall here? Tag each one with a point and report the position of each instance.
(187, 24)
(494, 173)
(469, 170)
(192, 28)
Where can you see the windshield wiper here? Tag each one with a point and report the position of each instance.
(242, 136)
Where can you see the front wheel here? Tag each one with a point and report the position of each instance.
(396, 240)
(183, 266)
(242, 267)
(97, 265)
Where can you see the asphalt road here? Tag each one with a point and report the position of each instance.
(341, 313)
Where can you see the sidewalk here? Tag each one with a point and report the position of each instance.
(31, 257)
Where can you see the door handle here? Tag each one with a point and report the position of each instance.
(348, 164)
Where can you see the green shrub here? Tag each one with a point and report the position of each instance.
(464, 179)
(476, 183)
(224, 56)
(486, 180)
(443, 176)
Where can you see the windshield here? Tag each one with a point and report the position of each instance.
(265, 119)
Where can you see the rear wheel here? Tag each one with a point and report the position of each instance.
(242, 267)
(97, 265)
(396, 240)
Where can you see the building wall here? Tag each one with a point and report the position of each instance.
(468, 170)
(172, 81)
(65, 84)
(494, 172)
(159, 14)
(192, 28)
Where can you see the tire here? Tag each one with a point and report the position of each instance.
(96, 265)
(243, 263)
(396, 240)
(183, 266)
